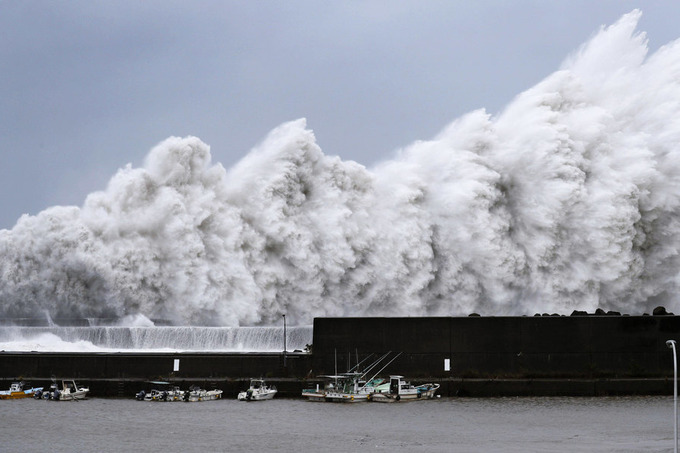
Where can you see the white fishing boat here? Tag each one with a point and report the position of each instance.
(336, 388)
(350, 387)
(199, 394)
(65, 390)
(400, 390)
(258, 391)
(17, 391)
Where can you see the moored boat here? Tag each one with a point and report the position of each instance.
(69, 390)
(350, 387)
(199, 394)
(17, 391)
(165, 392)
(167, 395)
(400, 390)
(257, 391)
(162, 391)
(315, 394)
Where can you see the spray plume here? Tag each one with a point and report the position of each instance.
(569, 199)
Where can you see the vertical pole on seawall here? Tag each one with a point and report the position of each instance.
(284, 341)
(671, 344)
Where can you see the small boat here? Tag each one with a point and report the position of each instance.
(162, 391)
(340, 388)
(165, 392)
(196, 393)
(317, 394)
(172, 394)
(16, 391)
(258, 391)
(69, 390)
(347, 388)
(400, 390)
(47, 393)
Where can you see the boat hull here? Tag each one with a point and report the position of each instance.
(78, 395)
(209, 395)
(314, 396)
(422, 393)
(346, 397)
(18, 395)
(243, 396)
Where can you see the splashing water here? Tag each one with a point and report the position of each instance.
(568, 199)
(166, 338)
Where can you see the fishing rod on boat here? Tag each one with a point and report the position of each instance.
(374, 364)
(388, 363)
(356, 367)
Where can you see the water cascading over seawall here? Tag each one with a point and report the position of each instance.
(149, 339)
(569, 199)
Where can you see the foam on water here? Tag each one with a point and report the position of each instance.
(107, 339)
(568, 199)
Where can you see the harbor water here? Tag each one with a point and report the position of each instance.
(605, 424)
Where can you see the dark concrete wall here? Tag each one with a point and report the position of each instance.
(503, 347)
(152, 366)
(125, 374)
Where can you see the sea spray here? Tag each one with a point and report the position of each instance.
(165, 338)
(567, 200)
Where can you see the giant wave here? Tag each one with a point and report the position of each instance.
(567, 200)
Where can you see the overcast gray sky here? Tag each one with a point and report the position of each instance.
(89, 86)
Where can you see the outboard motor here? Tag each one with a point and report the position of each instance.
(140, 396)
(249, 394)
(55, 395)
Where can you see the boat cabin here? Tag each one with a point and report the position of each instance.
(397, 385)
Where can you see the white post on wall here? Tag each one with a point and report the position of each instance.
(284, 341)
(671, 344)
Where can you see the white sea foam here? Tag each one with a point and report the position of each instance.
(158, 339)
(568, 199)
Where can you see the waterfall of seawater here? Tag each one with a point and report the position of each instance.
(108, 338)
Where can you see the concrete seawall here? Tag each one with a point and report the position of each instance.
(564, 347)
(487, 356)
(123, 374)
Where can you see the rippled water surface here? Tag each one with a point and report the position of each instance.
(622, 424)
